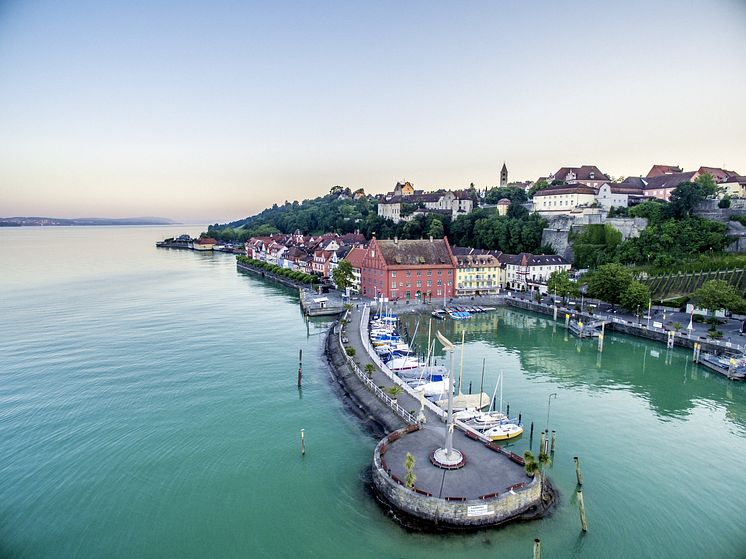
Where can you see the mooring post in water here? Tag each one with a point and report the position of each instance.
(302, 442)
(601, 338)
(537, 548)
(519, 418)
(554, 439)
(541, 443)
(581, 506)
(300, 367)
(531, 434)
(578, 473)
(567, 320)
(469, 387)
(507, 411)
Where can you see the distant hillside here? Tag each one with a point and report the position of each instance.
(92, 221)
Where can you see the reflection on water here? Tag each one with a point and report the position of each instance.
(666, 378)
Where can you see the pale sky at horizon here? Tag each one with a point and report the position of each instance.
(213, 111)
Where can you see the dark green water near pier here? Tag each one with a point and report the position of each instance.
(148, 408)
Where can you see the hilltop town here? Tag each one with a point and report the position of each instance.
(477, 241)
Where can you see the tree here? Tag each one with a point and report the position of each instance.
(538, 185)
(636, 296)
(718, 294)
(530, 465)
(707, 184)
(436, 230)
(595, 245)
(686, 197)
(609, 282)
(342, 275)
(559, 283)
(410, 478)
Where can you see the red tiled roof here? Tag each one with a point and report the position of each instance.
(355, 257)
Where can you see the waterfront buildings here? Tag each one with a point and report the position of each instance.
(530, 272)
(408, 270)
(478, 272)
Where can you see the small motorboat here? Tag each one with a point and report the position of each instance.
(405, 363)
(504, 432)
(426, 372)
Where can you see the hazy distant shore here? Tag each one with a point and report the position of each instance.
(92, 221)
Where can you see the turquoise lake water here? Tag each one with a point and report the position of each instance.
(148, 408)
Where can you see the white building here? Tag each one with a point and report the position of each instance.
(530, 272)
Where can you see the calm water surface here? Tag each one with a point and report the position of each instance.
(148, 408)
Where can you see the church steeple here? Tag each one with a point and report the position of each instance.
(504, 175)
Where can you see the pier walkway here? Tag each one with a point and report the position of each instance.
(489, 470)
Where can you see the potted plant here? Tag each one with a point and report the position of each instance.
(394, 391)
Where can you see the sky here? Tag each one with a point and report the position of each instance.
(211, 111)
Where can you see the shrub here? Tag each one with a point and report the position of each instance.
(350, 351)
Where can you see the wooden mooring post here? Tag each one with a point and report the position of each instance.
(554, 439)
(567, 320)
(695, 354)
(581, 507)
(578, 473)
(300, 367)
(541, 442)
(302, 442)
(537, 548)
(670, 337)
(601, 337)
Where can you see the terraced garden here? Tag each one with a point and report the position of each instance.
(677, 285)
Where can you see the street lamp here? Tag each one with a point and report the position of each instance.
(549, 403)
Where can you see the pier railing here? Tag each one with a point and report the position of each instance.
(385, 398)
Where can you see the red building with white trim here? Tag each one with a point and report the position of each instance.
(408, 270)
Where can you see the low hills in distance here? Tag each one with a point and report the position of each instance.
(92, 221)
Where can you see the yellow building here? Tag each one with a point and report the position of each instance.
(478, 273)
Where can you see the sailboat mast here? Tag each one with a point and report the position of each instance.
(429, 330)
(481, 385)
(461, 370)
(501, 392)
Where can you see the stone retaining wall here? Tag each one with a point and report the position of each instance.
(471, 513)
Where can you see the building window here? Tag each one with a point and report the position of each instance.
(393, 274)
(440, 282)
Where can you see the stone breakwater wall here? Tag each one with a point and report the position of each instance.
(524, 499)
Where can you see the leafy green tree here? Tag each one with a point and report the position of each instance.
(560, 283)
(436, 230)
(342, 275)
(538, 185)
(530, 465)
(707, 183)
(718, 294)
(410, 478)
(652, 210)
(635, 297)
(515, 194)
(609, 281)
(595, 245)
(685, 197)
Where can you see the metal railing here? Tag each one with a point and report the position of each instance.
(385, 398)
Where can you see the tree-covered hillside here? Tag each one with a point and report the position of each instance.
(338, 212)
